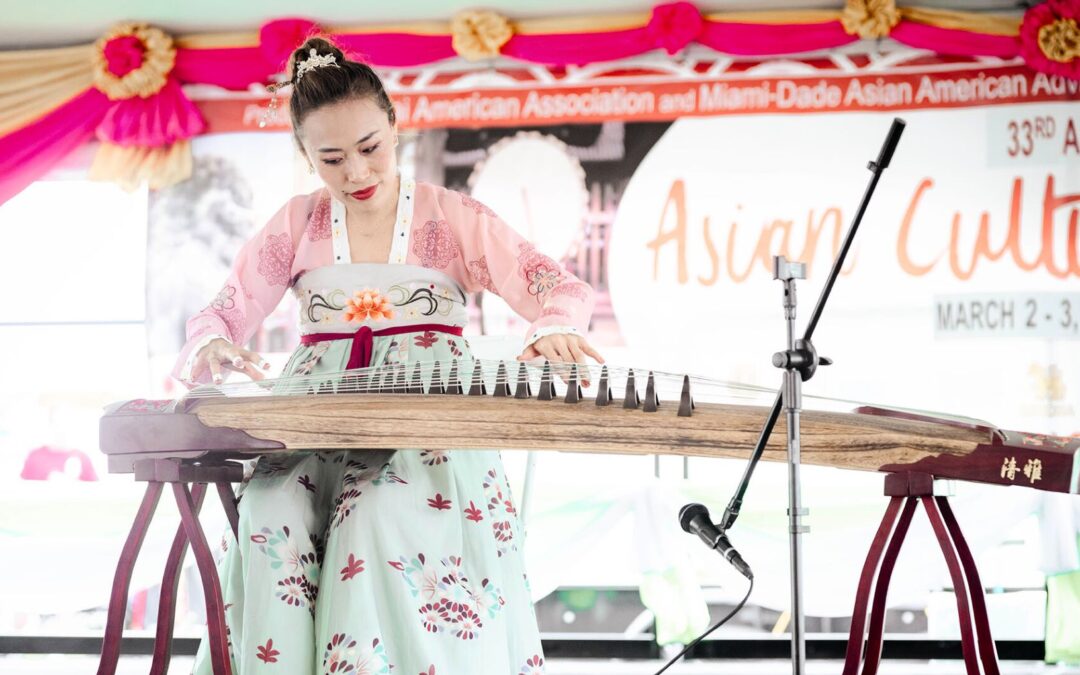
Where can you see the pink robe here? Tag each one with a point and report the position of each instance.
(373, 560)
(438, 228)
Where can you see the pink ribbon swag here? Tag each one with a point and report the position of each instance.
(137, 100)
(673, 26)
(279, 39)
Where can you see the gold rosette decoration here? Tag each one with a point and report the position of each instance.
(870, 19)
(133, 59)
(479, 35)
(1060, 40)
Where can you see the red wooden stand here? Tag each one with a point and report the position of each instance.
(907, 490)
(156, 473)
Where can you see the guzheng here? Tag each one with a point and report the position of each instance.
(484, 404)
(188, 444)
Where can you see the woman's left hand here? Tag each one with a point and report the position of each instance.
(561, 347)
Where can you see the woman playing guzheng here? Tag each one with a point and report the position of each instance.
(362, 562)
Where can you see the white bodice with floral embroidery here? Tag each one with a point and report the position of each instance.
(342, 298)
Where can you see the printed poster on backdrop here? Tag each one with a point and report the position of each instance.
(961, 294)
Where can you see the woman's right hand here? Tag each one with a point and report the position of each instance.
(220, 353)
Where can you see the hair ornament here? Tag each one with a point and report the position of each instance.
(270, 115)
(314, 61)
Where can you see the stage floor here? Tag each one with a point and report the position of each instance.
(75, 665)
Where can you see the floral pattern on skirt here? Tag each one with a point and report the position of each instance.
(380, 561)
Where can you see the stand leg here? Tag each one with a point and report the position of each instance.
(971, 605)
(881, 590)
(114, 626)
(228, 502)
(215, 610)
(963, 606)
(167, 602)
(987, 649)
(866, 581)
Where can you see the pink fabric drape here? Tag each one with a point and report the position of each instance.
(239, 67)
(279, 38)
(28, 153)
(162, 119)
(397, 50)
(747, 39)
(155, 121)
(671, 27)
(229, 67)
(575, 49)
(951, 41)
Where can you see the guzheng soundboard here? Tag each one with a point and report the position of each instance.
(380, 408)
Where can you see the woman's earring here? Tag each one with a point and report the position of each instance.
(311, 169)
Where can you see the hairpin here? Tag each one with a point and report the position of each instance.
(314, 61)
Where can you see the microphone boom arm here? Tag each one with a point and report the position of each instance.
(731, 513)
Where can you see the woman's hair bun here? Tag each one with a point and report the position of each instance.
(322, 47)
(331, 79)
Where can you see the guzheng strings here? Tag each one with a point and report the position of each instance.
(399, 378)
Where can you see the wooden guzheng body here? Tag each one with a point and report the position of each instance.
(868, 438)
(191, 442)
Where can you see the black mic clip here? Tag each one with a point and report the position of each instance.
(804, 358)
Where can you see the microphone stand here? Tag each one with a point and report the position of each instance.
(800, 361)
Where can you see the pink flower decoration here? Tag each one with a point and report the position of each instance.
(124, 54)
(319, 224)
(534, 666)
(236, 323)
(477, 206)
(674, 25)
(541, 272)
(555, 311)
(224, 300)
(480, 272)
(368, 304)
(1066, 15)
(434, 244)
(267, 653)
(276, 258)
(278, 39)
(578, 290)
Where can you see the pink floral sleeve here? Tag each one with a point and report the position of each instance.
(497, 259)
(261, 273)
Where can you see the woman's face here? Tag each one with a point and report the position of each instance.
(352, 147)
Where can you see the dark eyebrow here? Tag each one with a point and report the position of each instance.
(357, 143)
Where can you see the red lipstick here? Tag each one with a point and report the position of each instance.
(366, 193)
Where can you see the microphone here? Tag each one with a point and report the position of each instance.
(694, 519)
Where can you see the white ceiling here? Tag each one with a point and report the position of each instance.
(50, 23)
